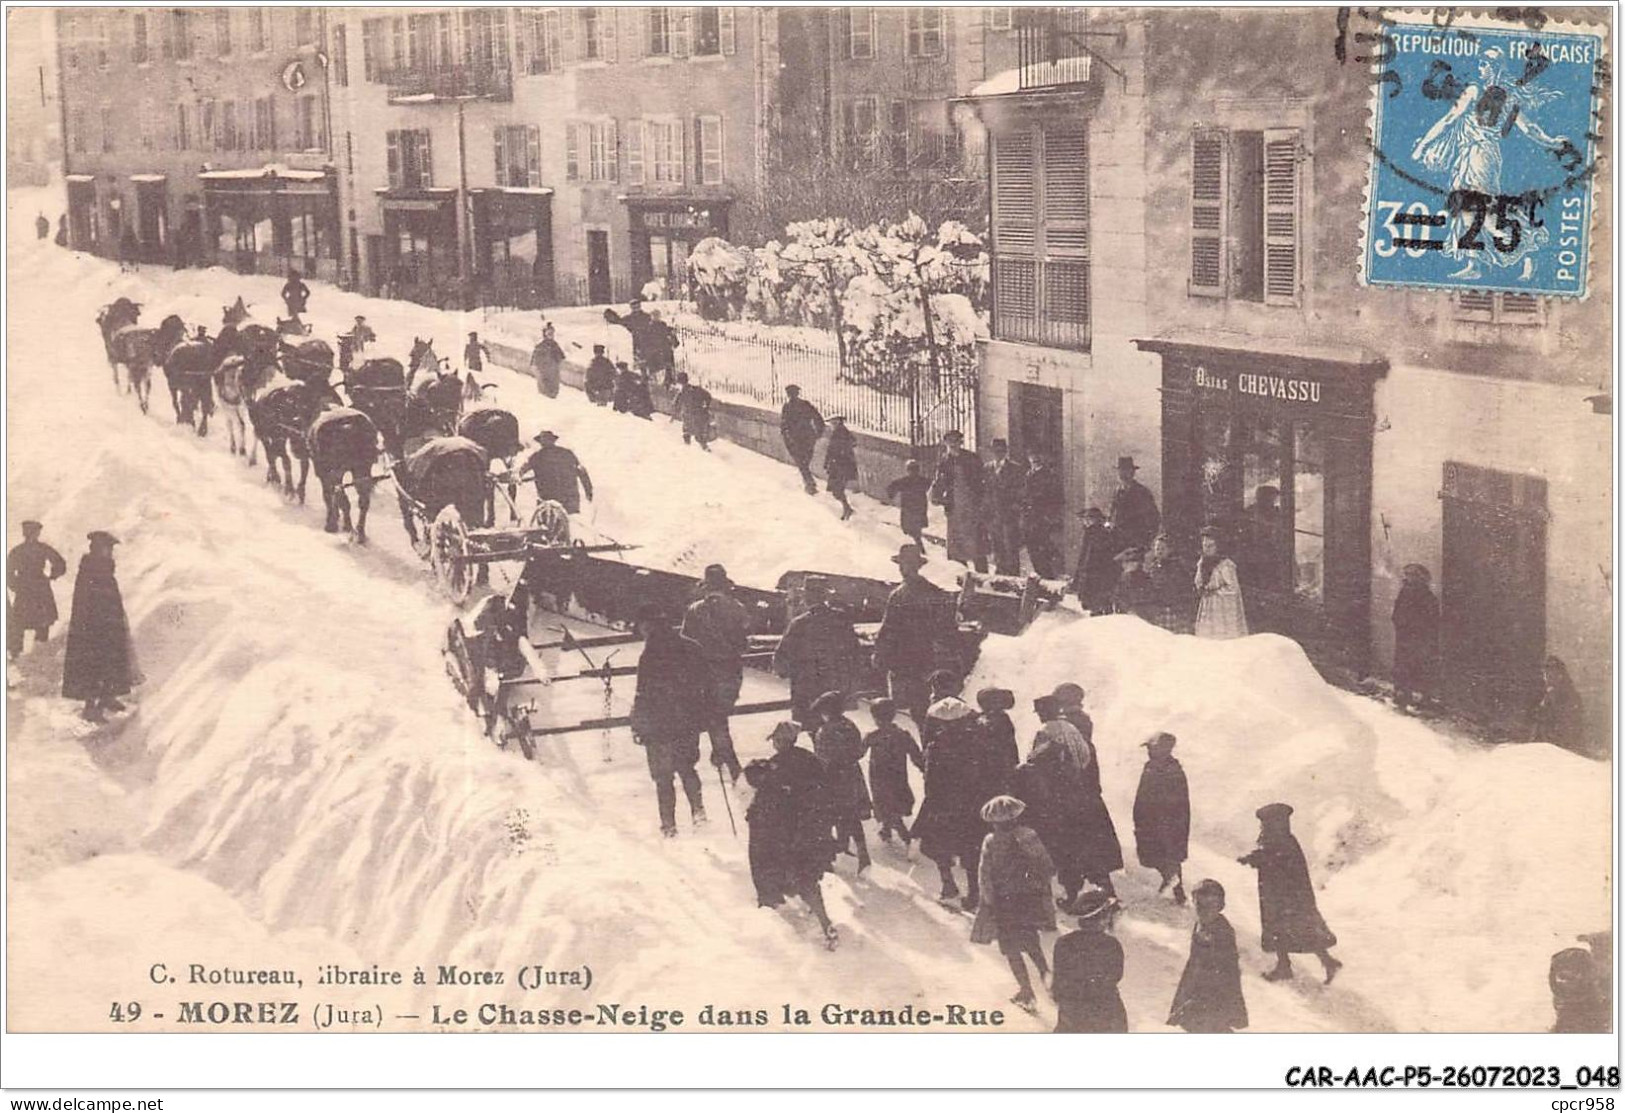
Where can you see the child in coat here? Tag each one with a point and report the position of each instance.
(891, 748)
(1209, 995)
(1162, 814)
(1000, 733)
(911, 493)
(1017, 902)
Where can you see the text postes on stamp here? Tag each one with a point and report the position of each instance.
(1483, 149)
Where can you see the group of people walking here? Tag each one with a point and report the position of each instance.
(98, 665)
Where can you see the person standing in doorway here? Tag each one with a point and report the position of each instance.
(1220, 612)
(1135, 517)
(30, 568)
(957, 488)
(99, 664)
(801, 425)
(1043, 507)
(1006, 497)
(1416, 639)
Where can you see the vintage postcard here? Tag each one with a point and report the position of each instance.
(964, 521)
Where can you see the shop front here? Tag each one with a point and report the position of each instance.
(152, 216)
(664, 231)
(84, 216)
(1275, 452)
(272, 220)
(418, 251)
(513, 246)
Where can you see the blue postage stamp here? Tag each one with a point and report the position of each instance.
(1484, 145)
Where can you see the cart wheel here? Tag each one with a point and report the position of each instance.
(551, 517)
(449, 556)
(516, 731)
(423, 543)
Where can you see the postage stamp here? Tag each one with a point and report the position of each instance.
(1483, 150)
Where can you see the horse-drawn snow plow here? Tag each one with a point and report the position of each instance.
(501, 681)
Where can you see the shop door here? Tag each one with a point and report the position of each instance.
(1036, 422)
(1493, 597)
(598, 285)
(152, 213)
(81, 215)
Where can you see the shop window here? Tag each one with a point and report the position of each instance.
(1246, 215)
(708, 156)
(409, 161)
(1499, 308)
(139, 51)
(925, 32)
(1041, 235)
(713, 31)
(860, 32)
(518, 156)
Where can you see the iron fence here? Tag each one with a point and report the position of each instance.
(898, 396)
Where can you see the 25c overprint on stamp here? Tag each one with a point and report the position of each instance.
(1484, 142)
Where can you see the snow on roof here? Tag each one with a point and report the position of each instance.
(529, 191)
(1062, 71)
(81, 177)
(280, 169)
(149, 177)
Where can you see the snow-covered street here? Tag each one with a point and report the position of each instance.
(299, 784)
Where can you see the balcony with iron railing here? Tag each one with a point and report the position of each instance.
(1051, 47)
(448, 83)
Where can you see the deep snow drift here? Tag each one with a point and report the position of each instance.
(300, 785)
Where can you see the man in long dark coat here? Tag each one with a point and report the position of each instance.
(1209, 995)
(719, 624)
(640, 325)
(1088, 967)
(1287, 912)
(1095, 578)
(957, 488)
(1162, 814)
(670, 708)
(557, 472)
(800, 424)
(1005, 488)
(1043, 508)
(918, 628)
(660, 349)
(819, 650)
(1416, 638)
(30, 568)
(1060, 780)
(791, 820)
(545, 362)
(1135, 517)
(99, 665)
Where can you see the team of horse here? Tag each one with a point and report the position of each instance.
(274, 390)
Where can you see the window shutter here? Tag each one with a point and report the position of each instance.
(634, 152)
(612, 151)
(567, 18)
(533, 156)
(572, 153)
(679, 28)
(497, 143)
(725, 29)
(425, 161)
(1015, 201)
(1282, 216)
(1065, 275)
(1209, 203)
(393, 145)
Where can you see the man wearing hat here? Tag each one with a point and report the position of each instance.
(599, 382)
(1095, 577)
(957, 488)
(918, 632)
(558, 474)
(1006, 495)
(1135, 518)
(791, 825)
(361, 335)
(99, 663)
(819, 649)
(671, 706)
(30, 568)
(719, 624)
(1290, 920)
(545, 361)
(800, 424)
(1088, 967)
(640, 325)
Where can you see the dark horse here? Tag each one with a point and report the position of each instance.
(378, 389)
(248, 363)
(344, 442)
(121, 314)
(188, 368)
(445, 472)
(432, 406)
(127, 343)
(282, 419)
(497, 431)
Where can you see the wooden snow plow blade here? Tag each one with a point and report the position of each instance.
(616, 721)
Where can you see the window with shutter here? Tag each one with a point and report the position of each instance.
(634, 152)
(1040, 196)
(499, 143)
(860, 32)
(681, 21)
(725, 29)
(1066, 193)
(612, 153)
(1209, 204)
(1015, 235)
(590, 34)
(1281, 216)
(657, 39)
(708, 163)
(572, 153)
(569, 45)
(533, 157)
(392, 147)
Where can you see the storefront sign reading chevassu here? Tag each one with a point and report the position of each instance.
(1278, 388)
